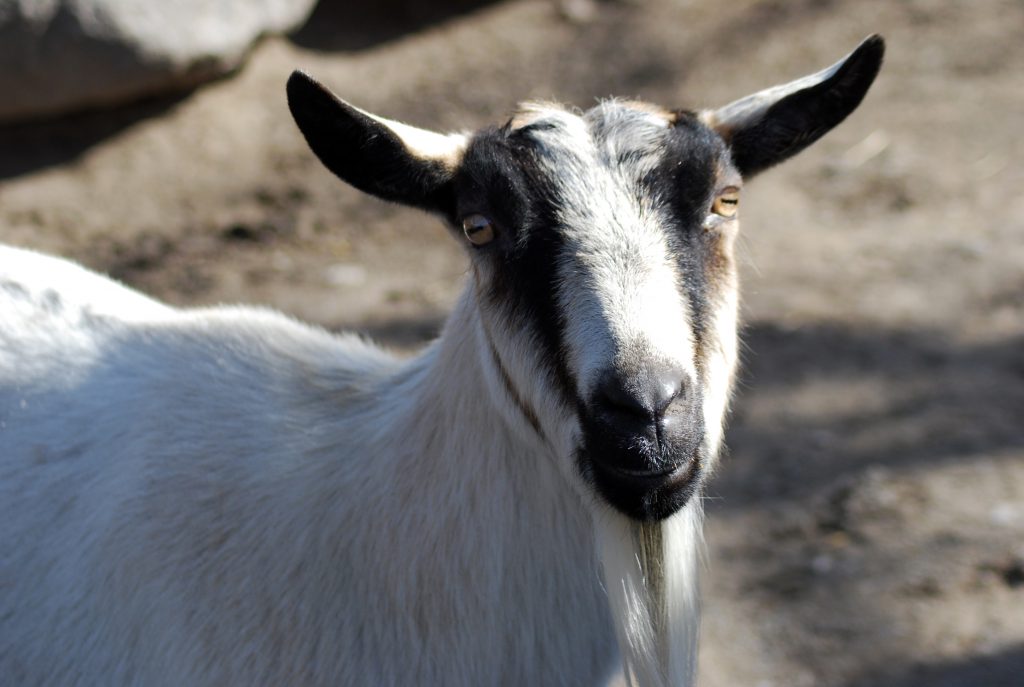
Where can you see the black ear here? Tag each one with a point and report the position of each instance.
(766, 128)
(388, 159)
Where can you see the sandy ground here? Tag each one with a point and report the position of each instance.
(867, 527)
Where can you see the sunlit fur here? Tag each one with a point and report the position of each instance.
(228, 497)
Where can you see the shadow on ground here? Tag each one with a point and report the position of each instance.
(341, 26)
(31, 146)
(821, 401)
(1005, 668)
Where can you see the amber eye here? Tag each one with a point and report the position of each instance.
(478, 229)
(727, 203)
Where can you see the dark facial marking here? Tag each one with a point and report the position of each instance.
(686, 182)
(499, 175)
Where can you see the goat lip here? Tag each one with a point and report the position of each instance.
(671, 478)
(643, 475)
(645, 495)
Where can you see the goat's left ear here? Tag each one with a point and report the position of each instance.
(767, 127)
(388, 159)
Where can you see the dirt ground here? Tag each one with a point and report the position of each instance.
(867, 526)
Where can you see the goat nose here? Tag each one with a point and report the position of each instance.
(640, 400)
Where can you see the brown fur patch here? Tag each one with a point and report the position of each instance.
(650, 108)
(711, 120)
(532, 111)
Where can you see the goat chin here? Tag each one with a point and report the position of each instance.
(651, 578)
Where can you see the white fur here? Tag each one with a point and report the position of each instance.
(674, 643)
(423, 143)
(227, 497)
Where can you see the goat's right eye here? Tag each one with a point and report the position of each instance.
(478, 229)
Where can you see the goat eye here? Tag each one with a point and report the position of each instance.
(727, 202)
(478, 229)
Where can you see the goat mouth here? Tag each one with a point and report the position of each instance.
(647, 495)
(654, 478)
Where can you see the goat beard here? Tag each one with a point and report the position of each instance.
(651, 578)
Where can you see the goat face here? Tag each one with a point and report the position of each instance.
(609, 262)
(601, 247)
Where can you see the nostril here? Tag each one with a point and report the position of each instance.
(616, 396)
(642, 397)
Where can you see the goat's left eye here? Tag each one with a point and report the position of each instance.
(727, 203)
(478, 229)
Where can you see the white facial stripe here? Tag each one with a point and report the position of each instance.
(621, 286)
(627, 128)
(627, 308)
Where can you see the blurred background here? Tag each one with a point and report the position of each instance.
(867, 527)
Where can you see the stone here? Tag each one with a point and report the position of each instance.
(62, 55)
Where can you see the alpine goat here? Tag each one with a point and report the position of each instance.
(228, 497)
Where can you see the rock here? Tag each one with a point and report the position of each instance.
(62, 55)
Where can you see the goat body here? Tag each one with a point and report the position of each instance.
(226, 496)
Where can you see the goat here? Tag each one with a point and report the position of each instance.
(225, 496)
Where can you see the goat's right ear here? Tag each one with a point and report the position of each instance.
(388, 159)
